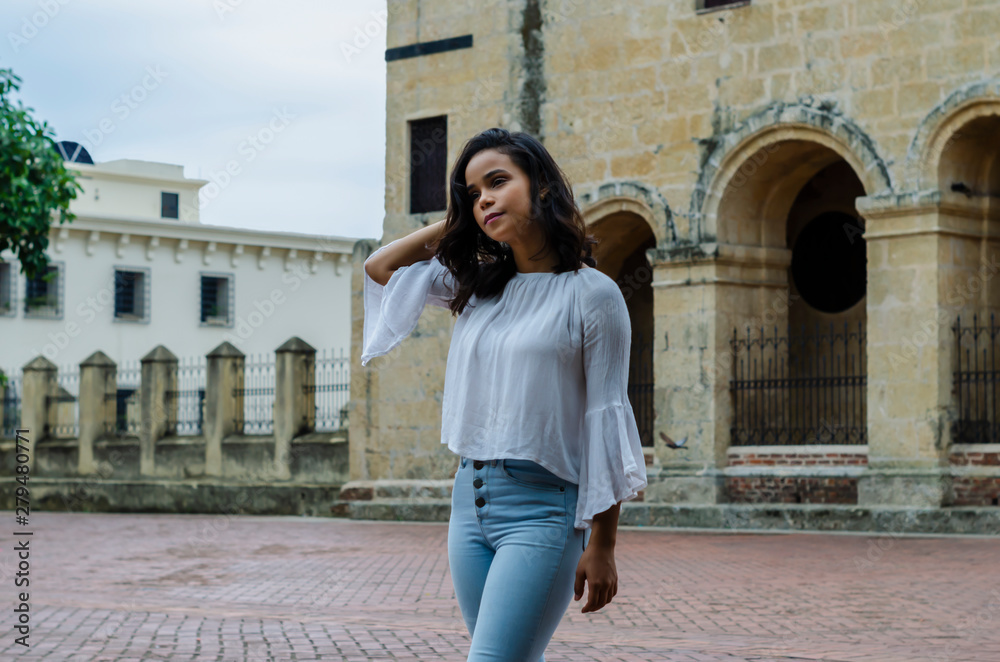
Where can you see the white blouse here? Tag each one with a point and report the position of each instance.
(538, 373)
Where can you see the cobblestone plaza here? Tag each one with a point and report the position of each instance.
(117, 587)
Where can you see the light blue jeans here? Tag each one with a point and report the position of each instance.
(513, 553)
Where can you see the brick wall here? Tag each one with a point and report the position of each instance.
(975, 490)
(985, 459)
(792, 489)
(775, 488)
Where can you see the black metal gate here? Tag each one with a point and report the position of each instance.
(799, 389)
(640, 387)
(975, 383)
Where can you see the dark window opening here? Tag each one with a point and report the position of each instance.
(41, 293)
(169, 204)
(428, 176)
(829, 262)
(130, 294)
(215, 297)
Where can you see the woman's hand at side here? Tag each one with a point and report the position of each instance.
(597, 568)
(597, 565)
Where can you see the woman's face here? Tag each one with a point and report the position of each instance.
(497, 186)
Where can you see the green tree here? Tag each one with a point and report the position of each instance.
(34, 183)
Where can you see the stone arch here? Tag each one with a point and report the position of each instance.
(821, 135)
(634, 197)
(942, 126)
(788, 172)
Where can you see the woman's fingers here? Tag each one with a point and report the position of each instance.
(597, 597)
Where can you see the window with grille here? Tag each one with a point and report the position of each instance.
(217, 299)
(169, 205)
(428, 174)
(132, 294)
(712, 5)
(6, 289)
(43, 293)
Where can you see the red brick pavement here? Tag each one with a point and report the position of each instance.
(215, 587)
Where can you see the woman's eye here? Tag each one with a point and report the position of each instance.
(473, 196)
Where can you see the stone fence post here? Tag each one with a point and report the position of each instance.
(98, 386)
(37, 412)
(294, 399)
(157, 405)
(223, 401)
(3, 396)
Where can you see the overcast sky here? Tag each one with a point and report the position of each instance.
(188, 82)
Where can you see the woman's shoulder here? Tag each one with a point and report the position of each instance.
(597, 277)
(597, 289)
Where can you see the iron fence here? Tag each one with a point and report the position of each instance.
(331, 387)
(190, 397)
(257, 415)
(799, 389)
(333, 390)
(975, 382)
(640, 387)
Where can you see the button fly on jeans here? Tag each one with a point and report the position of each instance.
(477, 483)
(480, 502)
(477, 464)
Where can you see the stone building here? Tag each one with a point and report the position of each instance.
(798, 200)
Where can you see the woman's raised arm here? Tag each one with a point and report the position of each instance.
(414, 247)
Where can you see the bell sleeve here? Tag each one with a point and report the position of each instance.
(392, 310)
(612, 466)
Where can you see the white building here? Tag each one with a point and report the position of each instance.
(137, 269)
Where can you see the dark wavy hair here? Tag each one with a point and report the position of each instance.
(481, 265)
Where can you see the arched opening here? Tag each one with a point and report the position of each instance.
(970, 159)
(798, 327)
(623, 238)
(968, 178)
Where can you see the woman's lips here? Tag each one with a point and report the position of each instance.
(494, 218)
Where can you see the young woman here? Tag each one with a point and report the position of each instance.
(535, 401)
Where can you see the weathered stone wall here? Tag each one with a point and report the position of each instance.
(703, 128)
